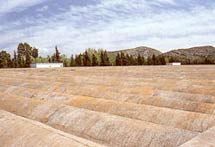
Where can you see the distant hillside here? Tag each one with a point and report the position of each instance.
(143, 51)
(193, 55)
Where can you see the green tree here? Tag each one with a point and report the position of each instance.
(118, 60)
(124, 59)
(27, 58)
(149, 61)
(53, 58)
(162, 60)
(65, 63)
(86, 59)
(207, 61)
(35, 53)
(57, 55)
(140, 60)
(72, 61)
(14, 60)
(154, 60)
(49, 59)
(132, 60)
(78, 60)
(5, 61)
(104, 59)
(21, 54)
(94, 60)
(24, 51)
(171, 59)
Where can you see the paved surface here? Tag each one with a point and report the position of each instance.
(114, 106)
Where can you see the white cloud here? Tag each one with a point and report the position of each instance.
(42, 9)
(16, 5)
(119, 24)
(173, 2)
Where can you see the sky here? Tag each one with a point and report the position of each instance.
(75, 25)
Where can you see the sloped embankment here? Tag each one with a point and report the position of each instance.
(96, 126)
(19, 131)
(204, 139)
(115, 106)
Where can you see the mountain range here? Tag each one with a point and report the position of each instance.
(142, 51)
(193, 54)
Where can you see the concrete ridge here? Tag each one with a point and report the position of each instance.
(37, 129)
(114, 106)
(68, 118)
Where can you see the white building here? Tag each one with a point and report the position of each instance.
(46, 65)
(174, 63)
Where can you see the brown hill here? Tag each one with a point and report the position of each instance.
(194, 54)
(142, 50)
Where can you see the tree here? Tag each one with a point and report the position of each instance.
(49, 59)
(21, 49)
(118, 60)
(72, 61)
(86, 59)
(102, 62)
(5, 61)
(94, 60)
(140, 60)
(124, 59)
(104, 59)
(57, 55)
(162, 60)
(143, 60)
(25, 52)
(14, 60)
(56, 58)
(65, 63)
(35, 53)
(149, 61)
(171, 59)
(27, 58)
(107, 61)
(132, 60)
(154, 61)
(78, 60)
(21, 54)
(53, 58)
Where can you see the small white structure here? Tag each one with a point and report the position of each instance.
(46, 65)
(174, 63)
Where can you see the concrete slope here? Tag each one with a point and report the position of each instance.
(116, 106)
(187, 120)
(56, 93)
(96, 126)
(206, 139)
(160, 115)
(19, 131)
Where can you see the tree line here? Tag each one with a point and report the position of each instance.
(101, 58)
(26, 55)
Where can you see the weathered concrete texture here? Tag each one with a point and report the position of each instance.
(180, 119)
(116, 106)
(117, 131)
(103, 128)
(206, 139)
(169, 117)
(185, 96)
(20, 132)
(147, 96)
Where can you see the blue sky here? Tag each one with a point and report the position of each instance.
(74, 25)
